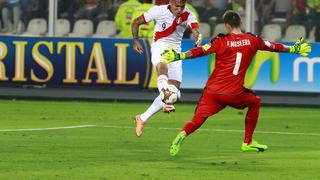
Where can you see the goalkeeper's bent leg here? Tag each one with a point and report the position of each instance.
(193, 124)
(207, 106)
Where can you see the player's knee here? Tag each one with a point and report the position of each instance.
(257, 101)
(254, 102)
(174, 82)
(162, 68)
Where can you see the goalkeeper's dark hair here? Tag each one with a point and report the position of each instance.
(232, 18)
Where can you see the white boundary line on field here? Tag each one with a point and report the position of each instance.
(45, 129)
(176, 129)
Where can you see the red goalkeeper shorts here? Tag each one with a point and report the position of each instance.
(211, 103)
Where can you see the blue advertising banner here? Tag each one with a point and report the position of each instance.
(286, 72)
(195, 71)
(73, 62)
(268, 71)
(83, 62)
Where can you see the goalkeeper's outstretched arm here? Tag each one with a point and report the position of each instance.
(300, 47)
(171, 55)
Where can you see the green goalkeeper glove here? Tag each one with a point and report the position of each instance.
(301, 48)
(171, 55)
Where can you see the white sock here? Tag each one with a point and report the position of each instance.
(154, 108)
(162, 82)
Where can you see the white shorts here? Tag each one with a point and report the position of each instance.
(174, 68)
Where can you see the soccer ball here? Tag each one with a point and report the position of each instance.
(170, 94)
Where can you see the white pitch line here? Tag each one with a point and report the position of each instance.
(131, 127)
(118, 127)
(46, 129)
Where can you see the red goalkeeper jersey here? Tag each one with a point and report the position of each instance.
(234, 53)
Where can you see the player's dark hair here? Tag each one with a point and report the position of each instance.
(232, 18)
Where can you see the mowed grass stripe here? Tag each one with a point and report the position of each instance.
(46, 129)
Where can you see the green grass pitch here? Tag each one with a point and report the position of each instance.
(100, 143)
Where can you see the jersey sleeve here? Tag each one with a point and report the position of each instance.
(206, 49)
(192, 21)
(265, 45)
(151, 14)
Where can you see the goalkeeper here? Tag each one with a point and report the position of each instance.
(234, 52)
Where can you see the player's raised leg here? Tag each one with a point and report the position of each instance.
(156, 106)
(166, 33)
(165, 72)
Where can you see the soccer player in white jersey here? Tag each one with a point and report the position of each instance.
(171, 21)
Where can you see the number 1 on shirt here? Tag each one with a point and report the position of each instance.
(238, 62)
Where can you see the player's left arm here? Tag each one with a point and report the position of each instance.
(300, 47)
(194, 27)
(171, 55)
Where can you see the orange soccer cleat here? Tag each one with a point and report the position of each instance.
(139, 126)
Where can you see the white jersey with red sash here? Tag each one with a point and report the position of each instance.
(169, 28)
(168, 31)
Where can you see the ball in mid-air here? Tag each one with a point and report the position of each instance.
(170, 94)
